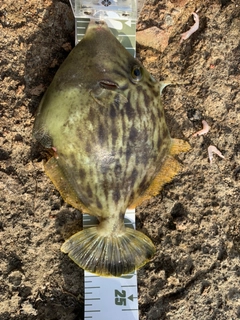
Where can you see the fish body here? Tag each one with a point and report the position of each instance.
(103, 116)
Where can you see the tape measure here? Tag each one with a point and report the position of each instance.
(111, 298)
(120, 16)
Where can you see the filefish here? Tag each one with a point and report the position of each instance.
(103, 117)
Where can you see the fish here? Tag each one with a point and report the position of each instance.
(103, 117)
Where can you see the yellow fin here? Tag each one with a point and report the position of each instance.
(169, 169)
(179, 146)
(62, 184)
(109, 254)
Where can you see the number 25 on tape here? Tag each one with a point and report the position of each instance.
(120, 298)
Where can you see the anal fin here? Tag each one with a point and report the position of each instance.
(62, 184)
(169, 169)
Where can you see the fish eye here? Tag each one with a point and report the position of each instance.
(136, 73)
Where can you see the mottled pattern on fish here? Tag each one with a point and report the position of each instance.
(104, 116)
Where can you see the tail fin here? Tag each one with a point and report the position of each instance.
(109, 255)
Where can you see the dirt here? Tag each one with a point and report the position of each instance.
(194, 221)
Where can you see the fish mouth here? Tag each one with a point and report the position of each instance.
(109, 85)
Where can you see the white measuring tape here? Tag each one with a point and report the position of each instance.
(111, 298)
(123, 31)
(120, 16)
